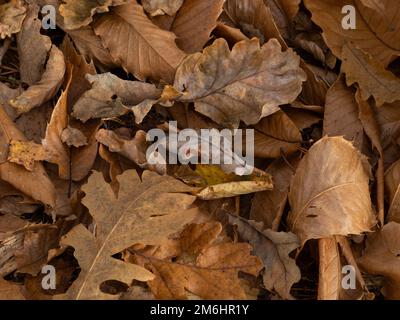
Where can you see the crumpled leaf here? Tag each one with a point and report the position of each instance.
(377, 35)
(329, 194)
(110, 96)
(202, 266)
(132, 38)
(26, 153)
(78, 13)
(46, 88)
(281, 271)
(12, 15)
(247, 83)
(16, 175)
(160, 7)
(150, 209)
(381, 257)
(33, 47)
(372, 78)
(73, 137)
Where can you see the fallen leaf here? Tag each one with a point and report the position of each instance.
(372, 78)
(33, 47)
(12, 15)
(110, 96)
(281, 271)
(126, 29)
(145, 212)
(46, 88)
(10, 291)
(333, 197)
(381, 257)
(228, 96)
(374, 33)
(161, 7)
(73, 137)
(25, 153)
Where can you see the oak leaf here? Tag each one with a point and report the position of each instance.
(145, 212)
(247, 83)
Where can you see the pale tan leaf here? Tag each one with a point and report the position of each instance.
(79, 14)
(137, 44)
(161, 7)
(109, 95)
(246, 84)
(46, 88)
(73, 137)
(329, 194)
(12, 15)
(146, 211)
(330, 271)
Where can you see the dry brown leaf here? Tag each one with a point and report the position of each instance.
(73, 137)
(275, 135)
(10, 291)
(247, 83)
(161, 7)
(22, 179)
(145, 212)
(110, 96)
(79, 14)
(329, 194)
(134, 150)
(341, 114)
(12, 15)
(268, 206)
(392, 183)
(25, 153)
(7, 94)
(378, 35)
(291, 7)
(46, 88)
(194, 23)
(132, 39)
(281, 271)
(33, 47)
(381, 257)
(201, 266)
(372, 78)
(254, 18)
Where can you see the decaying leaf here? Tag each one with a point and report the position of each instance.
(12, 15)
(207, 269)
(373, 79)
(381, 257)
(46, 88)
(281, 271)
(79, 13)
(329, 194)
(160, 7)
(26, 153)
(110, 95)
(263, 78)
(151, 210)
